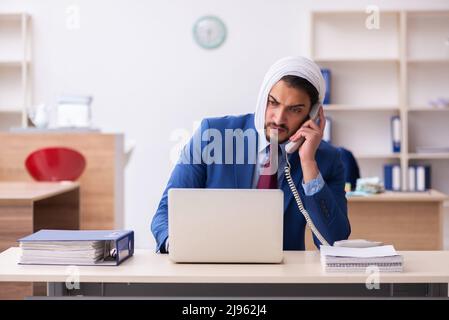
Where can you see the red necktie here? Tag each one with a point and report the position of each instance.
(266, 179)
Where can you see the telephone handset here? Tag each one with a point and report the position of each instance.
(292, 146)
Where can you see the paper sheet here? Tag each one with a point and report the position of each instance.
(380, 251)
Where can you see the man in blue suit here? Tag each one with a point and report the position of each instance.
(240, 160)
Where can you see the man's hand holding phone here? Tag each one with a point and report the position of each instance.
(312, 133)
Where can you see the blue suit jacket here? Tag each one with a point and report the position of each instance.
(327, 208)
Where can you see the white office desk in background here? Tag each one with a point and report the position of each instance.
(153, 275)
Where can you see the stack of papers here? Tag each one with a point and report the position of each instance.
(343, 259)
(77, 247)
(62, 252)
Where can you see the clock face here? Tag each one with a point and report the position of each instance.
(209, 32)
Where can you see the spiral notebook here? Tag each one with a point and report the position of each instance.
(343, 259)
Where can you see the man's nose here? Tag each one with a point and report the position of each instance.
(279, 116)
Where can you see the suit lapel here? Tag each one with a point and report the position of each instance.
(243, 173)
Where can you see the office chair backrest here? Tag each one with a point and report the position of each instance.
(55, 164)
(352, 171)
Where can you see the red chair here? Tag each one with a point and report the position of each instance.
(55, 164)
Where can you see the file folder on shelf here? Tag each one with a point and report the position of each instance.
(422, 177)
(327, 133)
(396, 133)
(392, 177)
(412, 178)
(327, 78)
(419, 178)
(77, 247)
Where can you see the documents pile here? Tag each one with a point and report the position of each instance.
(344, 259)
(371, 185)
(64, 252)
(77, 247)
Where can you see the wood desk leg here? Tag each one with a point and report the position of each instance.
(58, 212)
(16, 221)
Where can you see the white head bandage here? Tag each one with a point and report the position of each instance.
(294, 66)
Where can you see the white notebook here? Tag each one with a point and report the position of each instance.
(344, 259)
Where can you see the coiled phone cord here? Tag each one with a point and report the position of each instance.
(300, 205)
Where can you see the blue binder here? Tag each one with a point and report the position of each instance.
(411, 178)
(327, 134)
(423, 178)
(327, 78)
(396, 134)
(121, 242)
(392, 177)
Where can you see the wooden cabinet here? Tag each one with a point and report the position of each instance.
(407, 220)
(101, 185)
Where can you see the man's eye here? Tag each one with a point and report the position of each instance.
(296, 110)
(274, 103)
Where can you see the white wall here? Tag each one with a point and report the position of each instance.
(138, 58)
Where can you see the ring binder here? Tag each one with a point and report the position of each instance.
(77, 247)
(396, 133)
(392, 177)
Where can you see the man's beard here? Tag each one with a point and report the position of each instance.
(279, 141)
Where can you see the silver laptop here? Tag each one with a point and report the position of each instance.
(225, 225)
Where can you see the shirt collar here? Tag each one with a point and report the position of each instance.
(263, 144)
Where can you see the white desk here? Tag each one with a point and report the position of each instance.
(149, 274)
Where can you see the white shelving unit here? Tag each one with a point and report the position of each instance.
(15, 64)
(377, 73)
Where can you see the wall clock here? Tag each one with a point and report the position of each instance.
(209, 32)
